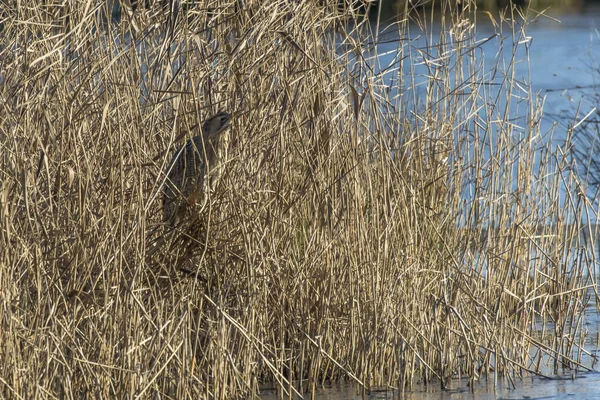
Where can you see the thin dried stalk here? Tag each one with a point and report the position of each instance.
(378, 224)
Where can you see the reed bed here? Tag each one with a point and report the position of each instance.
(380, 226)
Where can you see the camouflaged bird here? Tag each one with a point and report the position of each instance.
(184, 184)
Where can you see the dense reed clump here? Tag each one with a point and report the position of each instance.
(381, 224)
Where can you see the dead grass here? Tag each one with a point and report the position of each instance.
(352, 231)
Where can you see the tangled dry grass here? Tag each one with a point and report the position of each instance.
(384, 226)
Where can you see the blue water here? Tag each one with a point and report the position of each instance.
(571, 387)
(562, 53)
(560, 61)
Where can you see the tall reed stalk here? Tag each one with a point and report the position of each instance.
(382, 225)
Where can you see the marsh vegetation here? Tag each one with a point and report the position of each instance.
(365, 222)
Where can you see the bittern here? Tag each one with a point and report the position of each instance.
(190, 164)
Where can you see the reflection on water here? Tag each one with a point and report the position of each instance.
(581, 386)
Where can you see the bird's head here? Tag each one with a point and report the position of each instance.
(216, 124)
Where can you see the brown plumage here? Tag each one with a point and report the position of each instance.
(189, 165)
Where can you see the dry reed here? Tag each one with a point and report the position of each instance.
(383, 228)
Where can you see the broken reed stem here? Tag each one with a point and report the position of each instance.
(382, 226)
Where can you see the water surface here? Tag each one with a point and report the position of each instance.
(561, 60)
